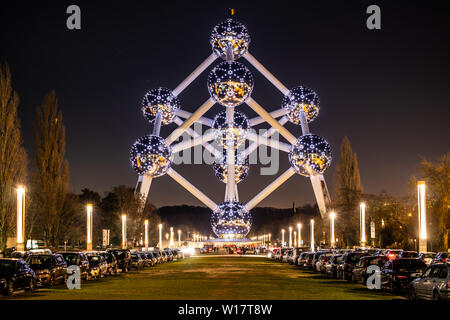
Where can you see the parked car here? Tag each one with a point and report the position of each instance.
(111, 262)
(441, 257)
(308, 261)
(123, 257)
(372, 251)
(49, 268)
(301, 260)
(380, 252)
(285, 257)
(169, 255)
(153, 257)
(397, 274)
(347, 263)
(321, 263)
(433, 284)
(392, 253)
(408, 254)
(331, 265)
(77, 259)
(98, 267)
(148, 262)
(359, 273)
(427, 257)
(15, 274)
(158, 256)
(136, 261)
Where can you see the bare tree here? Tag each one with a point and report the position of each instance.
(52, 179)
(12, 154)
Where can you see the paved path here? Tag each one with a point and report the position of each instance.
(213, 277)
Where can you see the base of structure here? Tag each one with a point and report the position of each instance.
(20, 247)
(89, 247)
(226, 242)
(423, 245)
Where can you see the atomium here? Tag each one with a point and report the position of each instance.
(310, 155)
(301, 99)
(230, 83)
(241, 168)
(231, 220)
(151, 155)
(160, 100)
(231, 133)
(233, 33)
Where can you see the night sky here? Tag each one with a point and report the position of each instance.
(387, 90)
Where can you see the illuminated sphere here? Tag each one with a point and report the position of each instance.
(241, 167)
(230, 83)
(234, 133)
(151, 155)
(230, 32)
(231, 220)
(310, 155)
(301, 99)
(160, 100)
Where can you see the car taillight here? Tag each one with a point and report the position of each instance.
(448, 285)
(402, 277)
(391, 256)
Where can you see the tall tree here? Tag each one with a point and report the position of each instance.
(52, 168)
(348, 190)
(12, 154)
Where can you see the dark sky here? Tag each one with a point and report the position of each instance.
(387, 90)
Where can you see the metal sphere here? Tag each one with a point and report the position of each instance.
(160, 100)
(241, 168)
(310, 155)
(230, 83)
(231, 220)
(234, 133)
(151, 155)
(233, 33)
(301, 99)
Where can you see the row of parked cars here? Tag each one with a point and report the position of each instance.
(422, 276)
(42, 268)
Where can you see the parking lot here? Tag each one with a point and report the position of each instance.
(208, 277)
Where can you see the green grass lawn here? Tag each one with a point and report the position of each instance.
(214, 277)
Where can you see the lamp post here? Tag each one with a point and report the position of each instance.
(312, 235)
(282, 237)
(362, 223)
(333, 239)
(290, 237)
(295, 238)
(179, 238)
(171, 237)
(270, 236)
(160, 236)
(89, 227)
(422, 213)
(20, 232)
(299, 228)
(124, 231)
(146, 235)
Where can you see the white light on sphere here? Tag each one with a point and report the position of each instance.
(236, 131)
(231, 220)
(230, 33)
(160, 100)
(151, 155)
(241, 168)
(230, 83)
(310, 155)
(301, 99)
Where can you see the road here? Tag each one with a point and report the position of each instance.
(212, 277)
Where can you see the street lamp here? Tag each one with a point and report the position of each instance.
(20, 232)
(282, 237)
(299, 228)
(160, 236)
(295, 239)
(89, 227)
(146, 235)
(362, 223)
(312, 235)
(124, 231)
(171, 237)
(290, 237)
(332, 217)
(270, 236)
(422, 216)
(179, 238)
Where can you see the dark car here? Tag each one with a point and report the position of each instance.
(347, 263)
(397, 274)
(77, 259)
(316, 258)
(123, 257)
(147, 261)
(332, 265)
(169, 255)
(50, 269)
(309, 260)
(408, 254)
(360, 269)
(136, 261)
(111, 262)
(15, 274)
(301, 260)
(98, 266)
(441, 257)
(158, 256)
